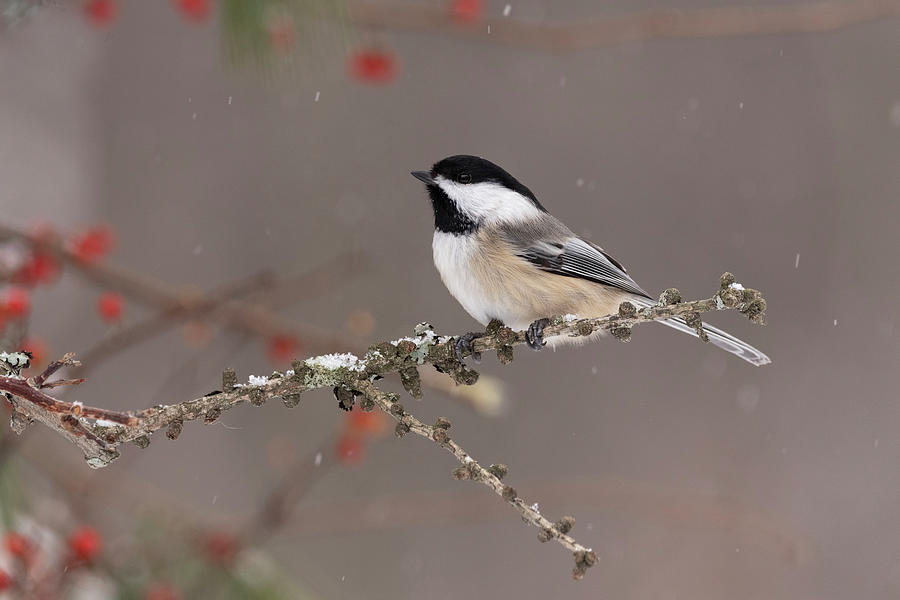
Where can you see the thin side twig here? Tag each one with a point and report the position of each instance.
(472, 470)
(68, 360)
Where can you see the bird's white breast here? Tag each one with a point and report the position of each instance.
(452, 257)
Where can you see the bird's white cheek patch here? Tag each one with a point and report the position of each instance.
(489, 202)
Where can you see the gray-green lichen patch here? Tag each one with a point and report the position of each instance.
(331, 369)
(418, 347)
(102, 459)
(11, 363)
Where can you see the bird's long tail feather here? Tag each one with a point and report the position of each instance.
(717, 337)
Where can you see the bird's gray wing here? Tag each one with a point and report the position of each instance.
(575, 257)
(552, 247)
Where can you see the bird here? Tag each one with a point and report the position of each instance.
(503, 256)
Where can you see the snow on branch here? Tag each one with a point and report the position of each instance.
(99, 433)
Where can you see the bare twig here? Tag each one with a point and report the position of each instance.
(68, 360)
(62, 382)
(656, 24)
(23, 389)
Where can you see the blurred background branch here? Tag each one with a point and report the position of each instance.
(646, 25)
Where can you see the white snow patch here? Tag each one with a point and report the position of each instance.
(257, 380)
(570, 318)
(318, 460)
(336, 361)
(427, 338)
(507, 9)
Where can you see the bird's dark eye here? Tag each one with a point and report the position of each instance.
(465, 178)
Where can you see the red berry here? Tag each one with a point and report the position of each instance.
(16, 302)
(37, 348)
(195, 10)
(100, 12)
(85, 543)
(364, 423)
(282, 348)
(221, 547)
(5, 580)
(466, 11)
(18, 545)
(40, 268)
(161, 591)
(373, 65)
(109, 306)
(91, 245)
(350, 449)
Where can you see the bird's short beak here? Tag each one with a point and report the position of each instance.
(423, 176)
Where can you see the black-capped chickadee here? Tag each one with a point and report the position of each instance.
(503, 256)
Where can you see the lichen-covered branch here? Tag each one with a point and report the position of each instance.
(100, 432)
(472, 470)
(233, 305)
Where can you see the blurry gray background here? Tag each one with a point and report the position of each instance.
(692, 474)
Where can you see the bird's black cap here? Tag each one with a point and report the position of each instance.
(466, 169)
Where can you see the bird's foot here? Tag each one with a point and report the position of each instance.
(466, 344)
(535, 334)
